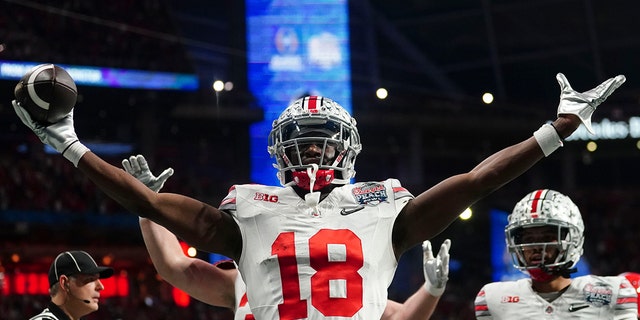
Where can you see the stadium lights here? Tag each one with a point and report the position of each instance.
(382, 93)
(466, 214)
(487, 98)
(218, 86)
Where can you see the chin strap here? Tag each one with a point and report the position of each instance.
(313, 178)
(566, 273)
(540, 275)
(564, 270)
(545, 274)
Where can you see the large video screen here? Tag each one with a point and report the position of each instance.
(294, 48)
(109, 77)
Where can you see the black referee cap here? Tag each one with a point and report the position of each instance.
(73, 262)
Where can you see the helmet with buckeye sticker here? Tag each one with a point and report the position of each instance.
(323, 123)
(556, 244)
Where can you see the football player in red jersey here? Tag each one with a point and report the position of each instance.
(320, 246)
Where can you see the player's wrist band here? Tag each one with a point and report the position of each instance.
(548, 139)
(74, 152)
(556, 129)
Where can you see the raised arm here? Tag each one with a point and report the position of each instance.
(191, 275)
(433, 210)
(422, 304)
(196, 277)
(200, 224)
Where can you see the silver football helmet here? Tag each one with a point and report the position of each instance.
(546, 208)
(324, 123)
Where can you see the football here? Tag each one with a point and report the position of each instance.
(47, 92)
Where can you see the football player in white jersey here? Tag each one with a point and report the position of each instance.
(319, 246)
(544, 235)
(221, 285)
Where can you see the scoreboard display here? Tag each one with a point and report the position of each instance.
(294, 48)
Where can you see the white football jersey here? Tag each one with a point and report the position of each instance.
(326, 261)
(588, 297)
(243, 310)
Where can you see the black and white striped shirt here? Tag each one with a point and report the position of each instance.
(52, 312)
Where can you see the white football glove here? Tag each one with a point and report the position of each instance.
(584, 104)
(138, 167)
(60, 135)
(436, 269)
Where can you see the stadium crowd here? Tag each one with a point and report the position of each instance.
(118, 35)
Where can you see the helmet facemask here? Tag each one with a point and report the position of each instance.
(554, 250)
(557, 239)
(331, 133)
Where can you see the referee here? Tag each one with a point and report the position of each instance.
(74, 286)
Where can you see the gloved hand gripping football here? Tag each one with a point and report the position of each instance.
(138, 167)
(436, 269)
(60, 135)
(584, 104)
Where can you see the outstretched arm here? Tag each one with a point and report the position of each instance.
(191, 275)
(200, 224)
(433, 210)
(422, 304)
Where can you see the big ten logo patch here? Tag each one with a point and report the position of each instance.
(265, 197)
(510, 299)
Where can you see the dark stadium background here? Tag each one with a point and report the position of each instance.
(436, 58)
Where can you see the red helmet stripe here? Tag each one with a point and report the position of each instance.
(536, 203)
(312, 104)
